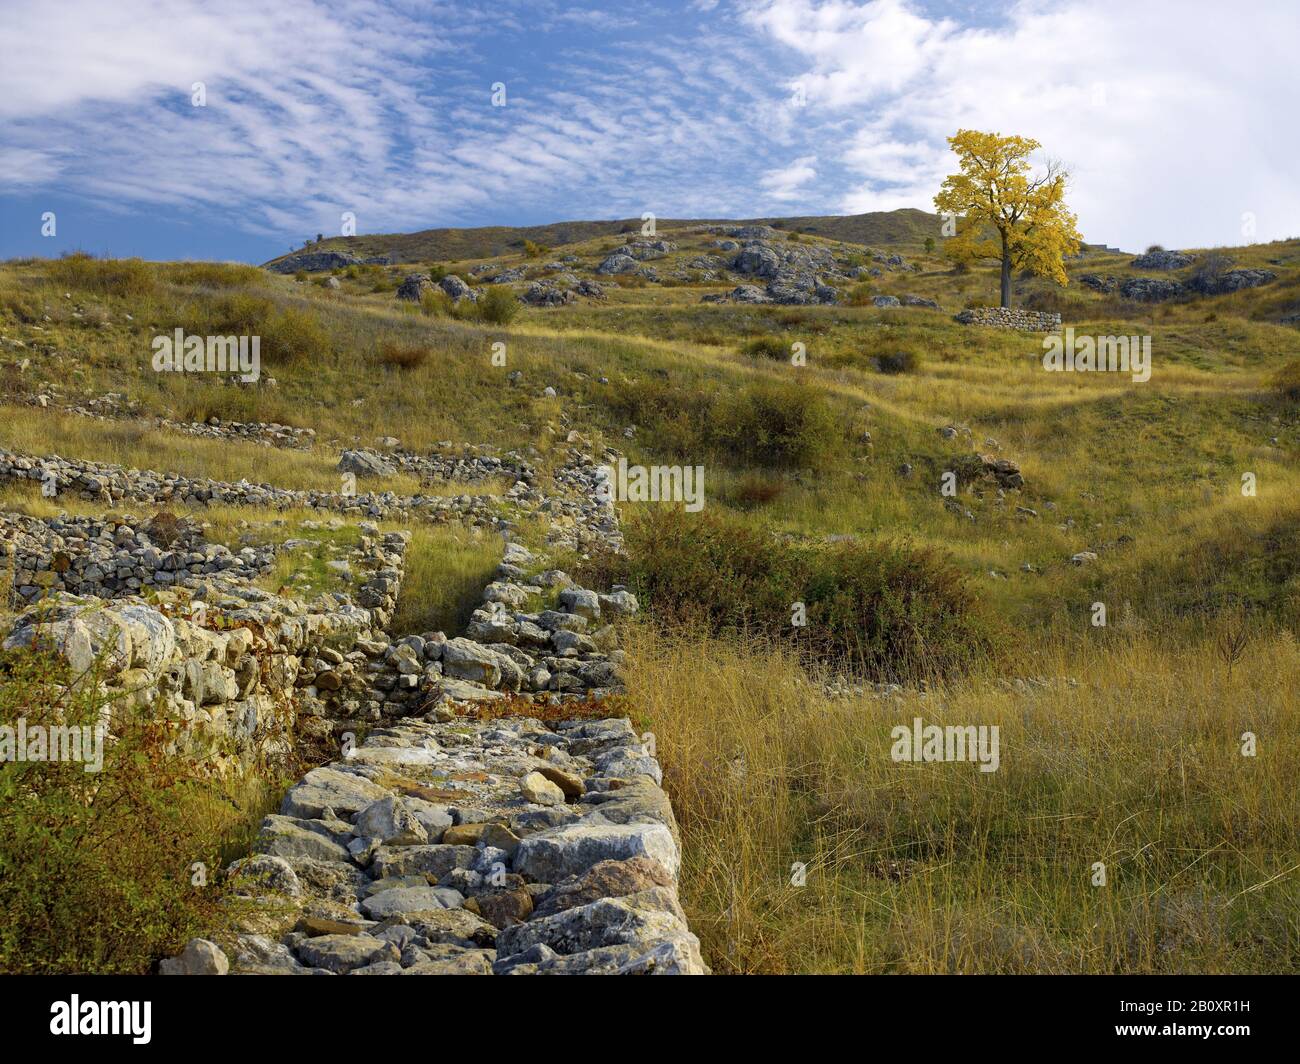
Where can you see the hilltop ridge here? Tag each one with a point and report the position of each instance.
(906, 226)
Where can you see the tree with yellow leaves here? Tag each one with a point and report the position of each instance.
(1005, 210)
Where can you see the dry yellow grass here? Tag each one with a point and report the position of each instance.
(942, 868)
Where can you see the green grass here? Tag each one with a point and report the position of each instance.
(446, 571)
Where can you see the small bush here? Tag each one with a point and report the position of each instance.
(1286, 381)
(22, 306)
(497, 306)
(108, 277)
(295, 335)
(212, 274)
(238, 312)
(756, 491)
(899, 362)
(1208, 274)
(95, 867)
(860, 295)
(886, 610)
(289, 335)
(774, 425)
(435, 303)
(787, 425)
(401, 356)
(773, 347)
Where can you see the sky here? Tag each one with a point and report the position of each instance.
(239, 129)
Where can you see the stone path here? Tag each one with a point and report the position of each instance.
(503, 847)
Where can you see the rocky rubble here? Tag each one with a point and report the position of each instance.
(317, 261)
(114, 406)
(1160, 259)
(113, 484)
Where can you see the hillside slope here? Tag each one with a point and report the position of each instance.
(906, 226)
(823, 485)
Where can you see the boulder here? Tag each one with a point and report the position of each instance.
(537, 788)
(392, 822)
(411, 900)
(552, 855)
(342, 953)
(605, 879)
(457, 289)
(414, 286)
(463, 659)
(1160, 259)
(199, 957)
(364, 464)
(330, 788)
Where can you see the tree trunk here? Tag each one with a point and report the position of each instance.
(1006, 272)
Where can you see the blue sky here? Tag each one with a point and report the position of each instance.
(1175, 118)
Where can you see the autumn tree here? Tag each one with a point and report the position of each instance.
(1007, 210)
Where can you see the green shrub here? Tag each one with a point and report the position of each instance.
(1286, 381)
(295, 335)
(890, 611)
(291, 334)
(22, 306)
(860, 295)
(787, 425)
(497, 306)
(237, 312)
(899, 362)
(213, 274)
(776, 425)
(107, 277)
(773, 347)
(435, 303)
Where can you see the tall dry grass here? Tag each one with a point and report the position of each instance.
(941, 868)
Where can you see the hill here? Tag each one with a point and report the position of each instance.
(823, 486)
(903, 227)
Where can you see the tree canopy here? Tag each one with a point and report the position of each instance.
(1007, 210)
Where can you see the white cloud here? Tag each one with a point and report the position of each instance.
(378, 108)
(1170, 113)
(784, 184)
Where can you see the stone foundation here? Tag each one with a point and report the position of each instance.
(1010, 318)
